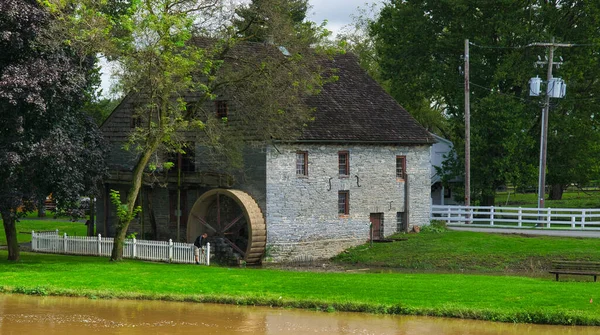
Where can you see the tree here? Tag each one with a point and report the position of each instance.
(420, 45)
(356, 38)
(174, 63)
(258, 20)
(46, 143)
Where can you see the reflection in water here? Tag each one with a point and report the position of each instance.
(52, 315)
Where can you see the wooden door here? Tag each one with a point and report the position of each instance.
(377, 225)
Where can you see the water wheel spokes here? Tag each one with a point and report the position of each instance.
(204, 222)
(233, 222)
(235, 247)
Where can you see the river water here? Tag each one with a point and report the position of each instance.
(57, 315)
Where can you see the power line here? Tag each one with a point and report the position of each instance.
(536, 44)
(504, 94)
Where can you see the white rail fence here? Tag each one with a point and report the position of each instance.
(161, 251)
(518, 217)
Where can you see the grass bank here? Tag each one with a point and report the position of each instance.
(572, 198)
(460, 251)
(494, 298)
(25, 226)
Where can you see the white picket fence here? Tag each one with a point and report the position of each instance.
(518, 217)
(161, 251)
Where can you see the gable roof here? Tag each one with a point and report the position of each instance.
(356, 108)
(353, 109)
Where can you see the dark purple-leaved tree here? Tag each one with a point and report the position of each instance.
(47, 145)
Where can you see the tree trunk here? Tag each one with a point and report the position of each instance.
(92, 222)
(10, 229)
(151, 216)
(41, 207)
(119, 241)
(134, 190)
(556, 192)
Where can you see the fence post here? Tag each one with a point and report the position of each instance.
(573, 222)
(470, 217)
(207, 255)
(583, 219)
(65, 243)
(520, 223)
(549, 217)
(448, 215)
(492, 215)
(99, 245)
(134, 253)
(170, 250)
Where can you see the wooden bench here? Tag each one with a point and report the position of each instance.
(575, 268)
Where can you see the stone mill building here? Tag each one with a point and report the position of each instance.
(363, 160)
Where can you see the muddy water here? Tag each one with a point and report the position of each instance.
(50, 315)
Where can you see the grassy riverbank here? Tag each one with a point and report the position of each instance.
(461, 251)
(495, 298)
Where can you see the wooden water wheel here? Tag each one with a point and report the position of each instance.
(234, 217)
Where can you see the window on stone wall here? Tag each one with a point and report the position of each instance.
(400, 222)
(344, 163)
(401, 167)
(343, 203)
(302, 163)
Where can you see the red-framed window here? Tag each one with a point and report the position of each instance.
(343, 203)
(222, 110)
(344, 163)
(302, 163)
(401, 167)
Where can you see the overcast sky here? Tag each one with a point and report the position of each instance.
(338, 14)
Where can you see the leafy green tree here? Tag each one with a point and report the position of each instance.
(356, 38)
(173, 64)
(258, 20)
(420, 47)
(46, 143)
(100, 108)
(574, 131)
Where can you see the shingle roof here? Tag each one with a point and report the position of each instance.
(356, 108)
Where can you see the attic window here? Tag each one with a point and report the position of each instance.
(136, 121)
(221, 108)
(344, 163)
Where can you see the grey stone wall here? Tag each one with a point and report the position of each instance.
(302, 212)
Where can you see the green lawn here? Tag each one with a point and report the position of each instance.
(25, 226)
(458, 251)
(571, 199)
(499, 298)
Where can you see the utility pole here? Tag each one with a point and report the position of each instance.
(550, 89)
(467, 129)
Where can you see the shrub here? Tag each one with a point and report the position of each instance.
(435, 227)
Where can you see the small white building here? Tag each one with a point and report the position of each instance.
(440, 151)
